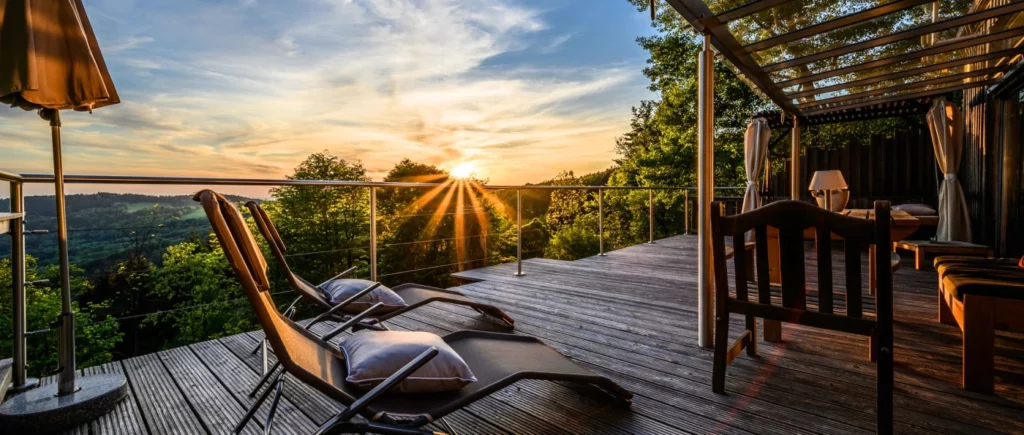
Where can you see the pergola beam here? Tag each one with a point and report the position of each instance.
(900, 36)
(833, 24)
(910, 72)
(704, 21)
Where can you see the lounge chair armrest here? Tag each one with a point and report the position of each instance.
(343, 304)
(388, 383)
(351, 322)
(346, 272)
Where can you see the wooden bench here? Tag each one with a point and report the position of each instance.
(922, 248)
(980, 299)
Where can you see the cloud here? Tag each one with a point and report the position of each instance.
(245, 91)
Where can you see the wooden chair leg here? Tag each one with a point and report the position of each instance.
(979, 344)
(721, 351)
(886, 384)
(945, 314)
(918, 259)
(752, 327)
(872, 348)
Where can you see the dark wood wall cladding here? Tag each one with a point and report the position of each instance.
(991, 170)
(900, 168)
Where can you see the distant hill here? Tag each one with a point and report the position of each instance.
(102, 227)
(536, 202)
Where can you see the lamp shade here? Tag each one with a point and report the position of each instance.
(828, 180)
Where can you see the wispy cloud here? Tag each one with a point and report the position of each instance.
(246, 88)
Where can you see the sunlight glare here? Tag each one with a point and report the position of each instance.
(463, 170)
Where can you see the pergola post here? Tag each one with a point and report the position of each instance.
(705, 192)
(794, 159)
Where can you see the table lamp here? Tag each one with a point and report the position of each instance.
(828, 181)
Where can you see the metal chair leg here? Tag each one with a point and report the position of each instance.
(268, 424)
(252, 409)
(265, 378)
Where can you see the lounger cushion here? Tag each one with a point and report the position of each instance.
(372, 356)
(994, 286)
(916, 209)
(339, 290)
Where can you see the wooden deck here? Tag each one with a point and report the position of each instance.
(632, 316)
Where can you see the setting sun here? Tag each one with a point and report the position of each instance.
(463, 170)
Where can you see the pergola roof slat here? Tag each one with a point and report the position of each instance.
(910, 72)
(905, 86)
(965, 42)
(749, 9)
(928, 93)
(899, 36)
(836, 23)
(862, 74)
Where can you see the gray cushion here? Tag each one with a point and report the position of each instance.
(339, 290)
(916, 209)
(373, 356)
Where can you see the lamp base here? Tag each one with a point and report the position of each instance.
(41, 410)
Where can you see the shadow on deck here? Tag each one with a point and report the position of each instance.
(632, 316)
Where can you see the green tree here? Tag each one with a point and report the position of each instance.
(206, 298)
(326, 228)
(96, 335)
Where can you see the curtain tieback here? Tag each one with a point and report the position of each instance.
(751, 183)
(951, 177)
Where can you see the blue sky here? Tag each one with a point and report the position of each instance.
(521, 89)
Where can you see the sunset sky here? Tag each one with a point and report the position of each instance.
(520, 89)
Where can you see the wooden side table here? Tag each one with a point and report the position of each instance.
(922, 248)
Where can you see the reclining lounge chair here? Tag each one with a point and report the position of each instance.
(497, 360)
(415, 295)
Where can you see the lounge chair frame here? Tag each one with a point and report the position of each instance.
(314, 294)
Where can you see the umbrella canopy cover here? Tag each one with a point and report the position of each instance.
(946, 124)
(49, 57)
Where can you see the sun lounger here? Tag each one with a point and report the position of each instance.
(497, 360)
(415, 295)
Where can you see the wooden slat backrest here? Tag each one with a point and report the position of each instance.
(791, 218)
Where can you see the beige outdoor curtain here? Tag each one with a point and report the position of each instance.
(756, 151)
(947, 126)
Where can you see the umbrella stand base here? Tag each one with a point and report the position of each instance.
(29, 384)
(41, 410)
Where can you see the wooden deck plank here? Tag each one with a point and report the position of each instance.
(163, 406)
(238, 379)
(213, 404)
(630, 315)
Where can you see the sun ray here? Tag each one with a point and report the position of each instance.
(460, 225)
(482, 219)
(435, 219)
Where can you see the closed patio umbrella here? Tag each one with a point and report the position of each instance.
(50, 61)
(755, 153)
(946, 124)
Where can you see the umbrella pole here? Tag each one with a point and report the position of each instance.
(66, 331)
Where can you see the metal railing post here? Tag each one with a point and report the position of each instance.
(686, 211)
(519, 232)
(650, 215)
(373, 233)
(600, 221)
(20, 380)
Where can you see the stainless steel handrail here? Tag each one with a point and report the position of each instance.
(17, 200)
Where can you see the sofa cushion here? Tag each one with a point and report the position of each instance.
(1000, 287)
(373, 356)
(339, 290)
(916, 209)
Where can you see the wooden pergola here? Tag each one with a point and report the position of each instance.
(843, 70)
